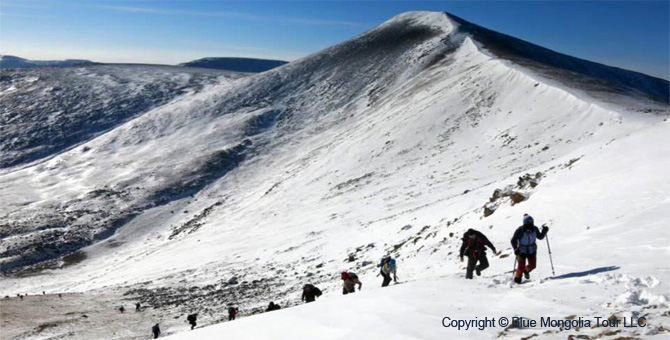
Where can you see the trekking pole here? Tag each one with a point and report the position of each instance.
(514, 268)
(550, 259)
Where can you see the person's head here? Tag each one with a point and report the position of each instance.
(528, 221)
(305, 287)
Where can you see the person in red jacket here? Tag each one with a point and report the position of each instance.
(525, 248)
(474, 246)
(350, 280)
(232, 312)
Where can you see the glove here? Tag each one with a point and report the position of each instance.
(395, 278)
(516, 251)
(545, 229)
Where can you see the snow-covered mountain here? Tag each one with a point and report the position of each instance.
(250, 65)
(10, 61)
(394, 142)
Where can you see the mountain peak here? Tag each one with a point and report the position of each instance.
(421, 18)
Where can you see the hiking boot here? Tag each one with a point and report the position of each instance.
(478, 272)
(517, 280)
(526, 275)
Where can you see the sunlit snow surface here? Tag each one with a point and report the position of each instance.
(392, 142)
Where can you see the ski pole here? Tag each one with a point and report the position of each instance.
(550, 259)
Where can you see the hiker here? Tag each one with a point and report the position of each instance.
(191, 318)
(474, 245)
(272, 306)
(525, 248)
(232, 311)
(21, 296)
(350, 280)
(60, 296)
(156, 330)
(310, 293)
(44, 293)
(137, 307)
(388, 267)
(121, 309)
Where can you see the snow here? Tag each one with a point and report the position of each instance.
(356, 143)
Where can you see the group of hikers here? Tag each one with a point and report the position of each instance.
(474, 244)
(21, 296)
(386, 267)
(193, 318)
(523, 242)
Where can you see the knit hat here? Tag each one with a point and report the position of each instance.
(528, 220)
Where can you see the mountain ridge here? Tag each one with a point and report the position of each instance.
(236, 64)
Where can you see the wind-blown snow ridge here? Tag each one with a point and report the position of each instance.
(391, 142)
(578, 73)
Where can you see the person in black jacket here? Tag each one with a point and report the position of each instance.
(310, 293)
(272, 306)
(474, 246)
(192, 320)
(525, 248)
(156, 330)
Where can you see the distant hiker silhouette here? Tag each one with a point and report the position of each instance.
(310, 293)
(21, 297)
(191, 318)
(474, 246)
(349, 282)
(525, 248)
(121, 309)
(43, 293)
(156, 330)
(232, 311)
(272, 306)
(387, 267)
(60, 296)
(137, 307)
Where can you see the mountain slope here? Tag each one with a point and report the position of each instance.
(392, 142)
(48, 110)
(236, 64)
(603, 82)
(8, 61)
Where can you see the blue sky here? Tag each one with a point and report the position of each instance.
(627, 34)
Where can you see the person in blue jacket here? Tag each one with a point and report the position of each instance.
(525, 248)
(387, 267)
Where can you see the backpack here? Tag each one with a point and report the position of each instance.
(316, 291)
(191, 317)
(232, 310)
(353, 276)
